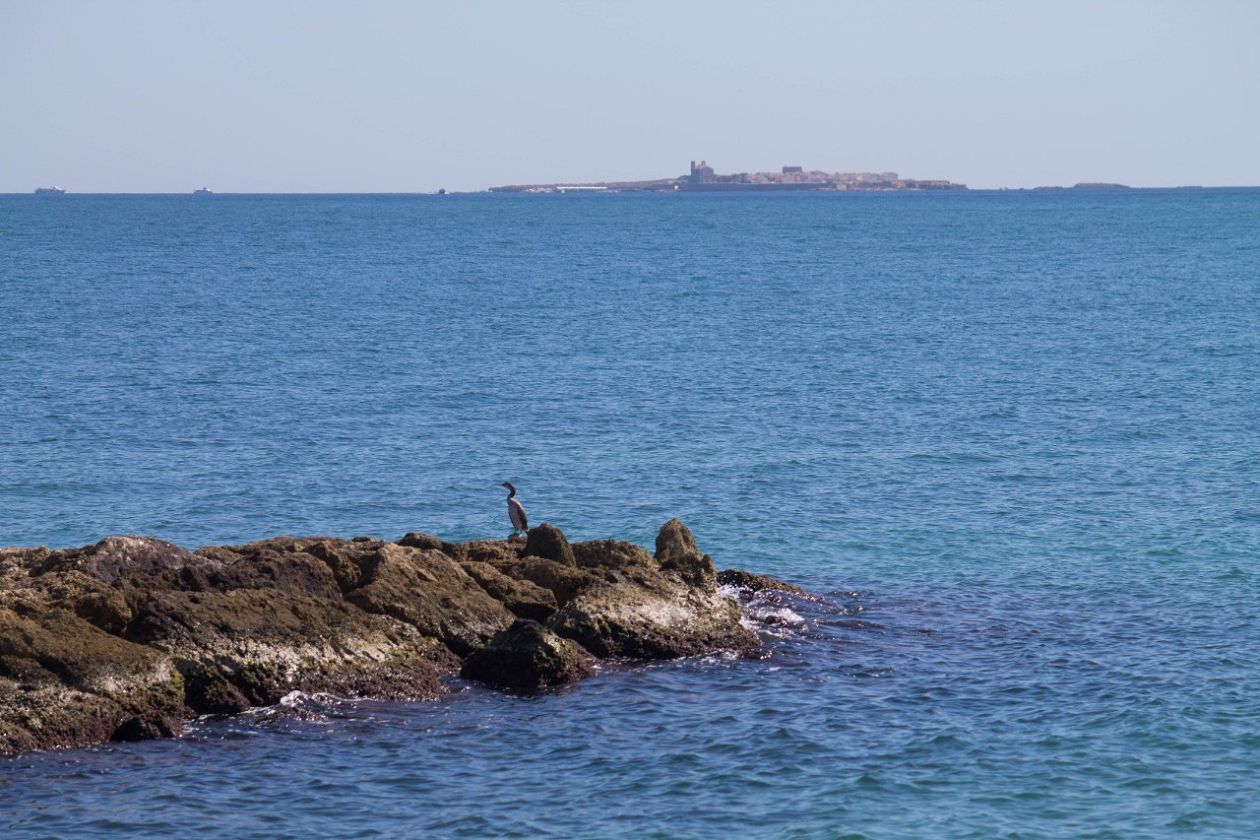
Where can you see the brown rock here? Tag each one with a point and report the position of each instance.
(563, 581)
(611, 554)
(676, 552)
(416, 539)
(430, 591)
(495, 552)
(548, 541)
(119, 639)
(666, 621)
(251, 647)
(674, 539)
(285, 565)
(109, 559)
(643, 612)
(340, 557)
(524, 598)
(65, 683)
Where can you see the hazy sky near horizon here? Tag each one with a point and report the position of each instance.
(145, 96)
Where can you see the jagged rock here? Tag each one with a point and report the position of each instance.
(108, 559)
(563, 581)
(755, 583)
(208, 691)
(611, 554)
(21, 561)
(430, 591)
(495, 552)
(528, 657)
(646, 613)
(98, 603)
(524, 598)
(416, 539)
(674, 539)
(548, 541)
(346, 566)
(106, 609)
(123, 638)
(676, 551)
(283, 564)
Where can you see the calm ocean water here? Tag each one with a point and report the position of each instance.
(1013, 436)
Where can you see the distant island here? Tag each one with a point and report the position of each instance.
(702, 178)
(1090, 185)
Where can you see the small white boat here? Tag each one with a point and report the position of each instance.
(53, 190)
(203, 191)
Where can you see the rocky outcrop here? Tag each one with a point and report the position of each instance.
(126, 638)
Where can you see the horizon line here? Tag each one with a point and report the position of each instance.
(489, 191)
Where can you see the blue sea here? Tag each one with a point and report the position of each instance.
(1012, 437)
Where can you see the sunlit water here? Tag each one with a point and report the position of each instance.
(1011, 437)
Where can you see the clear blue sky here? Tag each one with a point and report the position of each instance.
(407, 96)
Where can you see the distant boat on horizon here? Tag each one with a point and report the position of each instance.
(53, 190)
(202, 191)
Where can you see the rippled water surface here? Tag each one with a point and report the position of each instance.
(1011, 437)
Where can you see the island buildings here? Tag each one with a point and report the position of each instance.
(703, 178)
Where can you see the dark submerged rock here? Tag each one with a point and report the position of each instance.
(755, 583)
(528, 657)
(122, 639)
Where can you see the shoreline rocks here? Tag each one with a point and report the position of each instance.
(126, 638)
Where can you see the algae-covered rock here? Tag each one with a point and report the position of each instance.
(66, 683)
(528, 657)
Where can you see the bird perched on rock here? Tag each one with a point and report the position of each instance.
(516, 511)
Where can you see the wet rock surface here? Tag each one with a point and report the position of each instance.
(528, 657)
(750, 582)
(127, 638)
